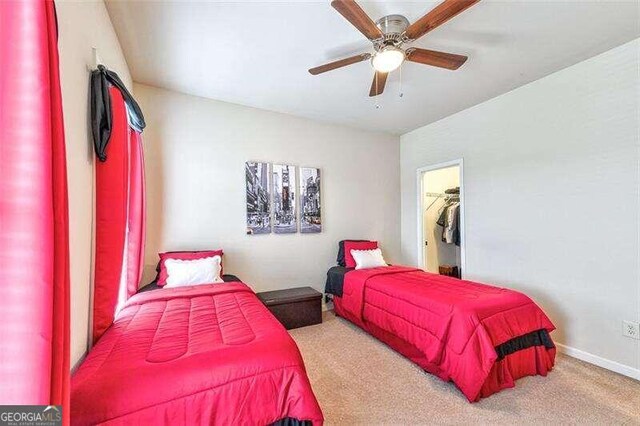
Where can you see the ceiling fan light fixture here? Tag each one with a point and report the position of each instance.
(390, 33)
(388, 59)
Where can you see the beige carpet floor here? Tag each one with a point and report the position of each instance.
(359, 380)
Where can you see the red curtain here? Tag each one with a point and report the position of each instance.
(34, 237)
(119, 219)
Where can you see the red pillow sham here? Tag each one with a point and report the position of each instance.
(183, 255)
(349, 261)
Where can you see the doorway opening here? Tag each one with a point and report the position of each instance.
(441, 219)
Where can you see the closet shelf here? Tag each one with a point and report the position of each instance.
(441, 195)
(438, 195)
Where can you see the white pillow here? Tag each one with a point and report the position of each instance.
(193, 272)
(368, 258)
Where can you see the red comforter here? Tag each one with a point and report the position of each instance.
(209, 354)
(449, 327)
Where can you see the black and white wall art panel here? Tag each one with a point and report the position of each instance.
(258, 198)
(284, 199)
(310, 208)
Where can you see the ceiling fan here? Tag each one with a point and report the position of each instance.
(388, 35)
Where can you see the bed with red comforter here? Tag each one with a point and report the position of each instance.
(480, 337)
(206, 354)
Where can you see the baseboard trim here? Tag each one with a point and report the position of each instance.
(326, 306)
(625, 370)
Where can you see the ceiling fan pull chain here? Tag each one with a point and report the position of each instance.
(375, 98)
(400, 94)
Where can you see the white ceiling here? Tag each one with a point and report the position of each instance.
(257, 53)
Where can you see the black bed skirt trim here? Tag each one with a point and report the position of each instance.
(535, 338)
(290, 421)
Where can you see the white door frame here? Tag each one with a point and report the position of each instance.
(420, 190)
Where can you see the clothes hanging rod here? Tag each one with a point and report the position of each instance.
(440, 194)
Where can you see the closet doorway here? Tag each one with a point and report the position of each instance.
(441, 218)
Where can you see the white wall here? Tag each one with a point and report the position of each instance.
(551, 195)
(82, 25)
(195, 150)
(436, 251)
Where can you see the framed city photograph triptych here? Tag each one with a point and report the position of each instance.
(275, 203)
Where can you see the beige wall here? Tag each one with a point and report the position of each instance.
(437, 252)
(551, 198)
(82, 25)
(195, 150)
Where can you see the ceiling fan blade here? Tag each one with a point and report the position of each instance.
(353, 13)
(378, 83)
(435, 58)
(340, 63)
(437, 16)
